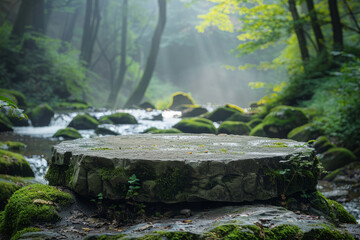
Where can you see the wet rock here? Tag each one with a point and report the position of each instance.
(239, 117)
(258, 131)
(105, 131)
(19, 122)
(119, 118)
(13, 146)
(184, 168)
(180, 98)
(282, 119)
(195, 125)
(237, 128)
(41, 115)
(336, 158)
(16, 96)
(68, 133)
(83, 121)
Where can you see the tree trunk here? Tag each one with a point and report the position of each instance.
(336, 26)
(48, 12)
(91, 28)
(140, 89)
(320, 40)
(299, 31)
(69, 27)
(31, 14)
(116, 86)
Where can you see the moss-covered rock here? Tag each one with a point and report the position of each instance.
(254, 122)
(19, 234)
(282, 119)
(322, 144)
(105, 131)
(19, 122)
(336, 158)
(237, 128)
(326, 234)
(146, 105)
(195, 125)
(154, 130)
(14, 164)
(193, 111)
(9, 145)
(68, 133)
(83, 121)
(180, 98)
(239, 117)
(223, 113)
(305, 133)
(32, 204)
(5, 124)
(348, 170)
(19, 98)
(258, 131)
(331, 209)
(6, 190)
(41, 115)
(119, 118)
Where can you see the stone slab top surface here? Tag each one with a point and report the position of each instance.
(182, 147)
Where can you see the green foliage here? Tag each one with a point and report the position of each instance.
(134, 187)
(43, 73)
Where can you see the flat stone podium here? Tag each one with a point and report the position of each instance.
(185, 167)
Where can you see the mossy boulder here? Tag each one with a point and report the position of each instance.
(231, 127)
(68, 133)
(14, 164)
(254, 122)
(16, 96)
(10, 145)
(322, 144)
(19, 122)
(239, 117)
(282, 119)
(305, 133)
(33, 204)
(258, 131)
(146, 105)
(180, 98)
(347, 173)
(83, 121)
(119, 118)
(5, 124)
(196, 125)
(154, 130)
(105, 131)
(193, 111)
(41, 115)
(336, 158)
(223, 113)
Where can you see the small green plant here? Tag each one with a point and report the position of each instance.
(99, 199)
(134, 187)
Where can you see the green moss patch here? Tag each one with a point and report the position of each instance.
(195, 125)
(68, 133)
(237, 128)
(258, 131)
(322, 144)
(223, 113)
(20, 99)
(119, 118)
(14, 164)
(71, 106)
(305, 133)
(32, 204)
(83, 121)
(59, 175)
(254, 122)
(5, 124)
(6, 190)
(23, 231)
(173, 181)
(9, 145)
(161, 131)
(326, 234)
(282, 119)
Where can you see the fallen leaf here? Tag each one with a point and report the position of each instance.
(186, 221)
(86, 229)
(206, 151)
(189, 152)
(41, 201)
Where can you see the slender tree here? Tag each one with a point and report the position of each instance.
(140, 89)
(299, 31)
(91, 28)
(320, 40)
(338, 44)
(123, 67)
(30, 16)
